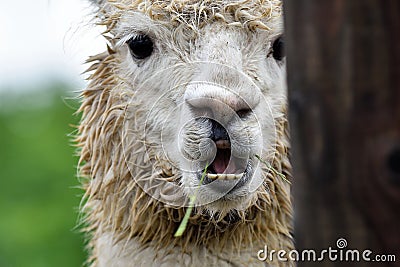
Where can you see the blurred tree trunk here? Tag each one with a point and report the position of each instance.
(344, 98)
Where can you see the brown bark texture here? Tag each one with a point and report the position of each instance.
(343, 62)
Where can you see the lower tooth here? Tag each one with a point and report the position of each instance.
(223, 176)
(238, 176)
(212, 176)
(230, 176)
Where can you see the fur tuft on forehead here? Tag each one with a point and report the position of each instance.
(195, 14)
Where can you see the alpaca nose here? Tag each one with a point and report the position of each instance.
(218, 104)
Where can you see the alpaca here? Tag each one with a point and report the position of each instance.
(179, 107)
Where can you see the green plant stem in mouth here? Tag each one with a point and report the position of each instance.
(273, 169)
(192, 199)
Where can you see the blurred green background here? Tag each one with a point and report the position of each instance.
(39, 195)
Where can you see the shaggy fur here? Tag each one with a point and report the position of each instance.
(141, 146)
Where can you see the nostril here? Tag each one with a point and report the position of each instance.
(243, 112)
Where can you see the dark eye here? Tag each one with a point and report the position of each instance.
(278, 49)
(140, 46)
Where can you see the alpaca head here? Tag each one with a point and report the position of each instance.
(185, 85)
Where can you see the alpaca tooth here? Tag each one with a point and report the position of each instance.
(239, 176)
(212, 176)
(230, 176)
(221, 176)
(224, 176)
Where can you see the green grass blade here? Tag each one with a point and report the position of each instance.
(185, 220)
(283, 177)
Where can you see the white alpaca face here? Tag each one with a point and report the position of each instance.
(206, 98)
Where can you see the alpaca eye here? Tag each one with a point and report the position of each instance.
(278, 48)
(140, 46)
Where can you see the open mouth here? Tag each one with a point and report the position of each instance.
(226, 172)
(226, 167)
